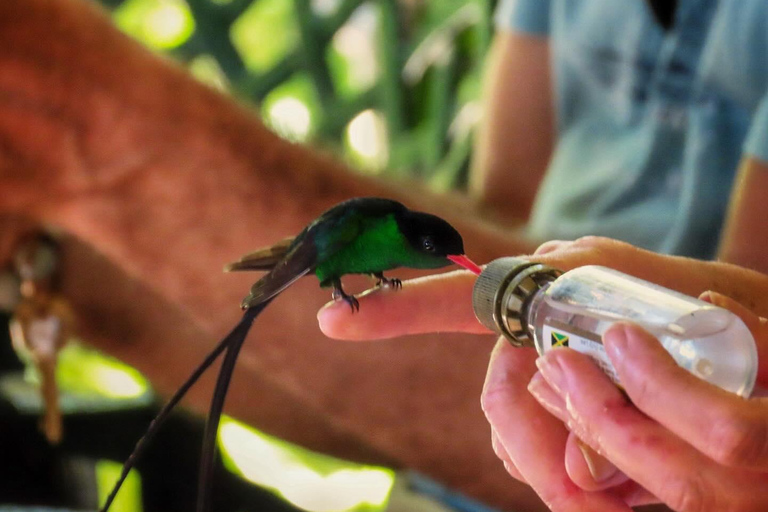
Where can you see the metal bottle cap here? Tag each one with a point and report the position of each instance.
(502, 292)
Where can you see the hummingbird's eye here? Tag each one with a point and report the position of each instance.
(427, 244)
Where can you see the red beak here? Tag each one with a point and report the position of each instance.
(465, 262)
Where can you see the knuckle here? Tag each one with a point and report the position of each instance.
(602, 245)
(590, 241)
(498, 396)
(641, 391)
(687, 494)
(493, 398)
(739, 440)
(551, 246)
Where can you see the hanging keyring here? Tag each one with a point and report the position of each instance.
(42, 322)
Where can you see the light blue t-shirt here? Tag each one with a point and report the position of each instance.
(651, 124)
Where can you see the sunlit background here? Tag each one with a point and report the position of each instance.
(391, 87)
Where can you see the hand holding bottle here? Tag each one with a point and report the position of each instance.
(537, 447)
(680, 441)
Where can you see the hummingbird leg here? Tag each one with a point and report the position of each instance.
(338, 293)
(383, 281)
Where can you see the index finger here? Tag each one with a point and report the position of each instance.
(440, 303)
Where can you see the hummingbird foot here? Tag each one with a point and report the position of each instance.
(339, 294)
(392, 282)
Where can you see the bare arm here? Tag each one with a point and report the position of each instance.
(515, 139)
(745, 236)
(160, 181)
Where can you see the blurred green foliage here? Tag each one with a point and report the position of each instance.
(393, 85)
(265, 33)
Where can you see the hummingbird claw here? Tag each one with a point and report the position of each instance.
(393, 282)
(338, 294)
(354, 304)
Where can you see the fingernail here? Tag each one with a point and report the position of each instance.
(615, 341)
(544, 394)
(550, 368)
(714, 298)
(599, 467)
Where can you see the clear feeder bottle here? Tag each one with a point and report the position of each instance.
(535, 305)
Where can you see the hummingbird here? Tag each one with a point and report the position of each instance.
(365, 235)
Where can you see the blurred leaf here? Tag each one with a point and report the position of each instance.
(366, 141)
(265, 33)
(433, 14)
(160, 24)
(351, 56)
(206, 68)
(85, 371)
(129, 497)
(469, 89)
(292, 109)
(309, 480)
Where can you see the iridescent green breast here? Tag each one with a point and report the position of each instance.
(377, 247)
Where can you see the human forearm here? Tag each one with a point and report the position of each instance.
(743, 241)
(515, 135)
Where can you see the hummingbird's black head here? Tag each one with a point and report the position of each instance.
(430, 236)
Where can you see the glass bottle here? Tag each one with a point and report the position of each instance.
(535, 305)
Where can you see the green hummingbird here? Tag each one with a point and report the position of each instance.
(365, 235)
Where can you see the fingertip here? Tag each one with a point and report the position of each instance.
(627, 344)
(616, 331)
(616, 337)
(725, 302)
(624, 334)
(752, 320)
(333, 320)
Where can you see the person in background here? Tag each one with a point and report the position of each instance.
(645, 121)
(560, 425)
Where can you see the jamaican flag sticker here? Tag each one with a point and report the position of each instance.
(557, 334)
(558, 339)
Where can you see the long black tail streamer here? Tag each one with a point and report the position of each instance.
(238, 333)
(208, 455)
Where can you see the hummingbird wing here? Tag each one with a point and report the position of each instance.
(261, 259)
(297, 262)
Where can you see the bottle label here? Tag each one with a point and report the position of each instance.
(559, 335)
